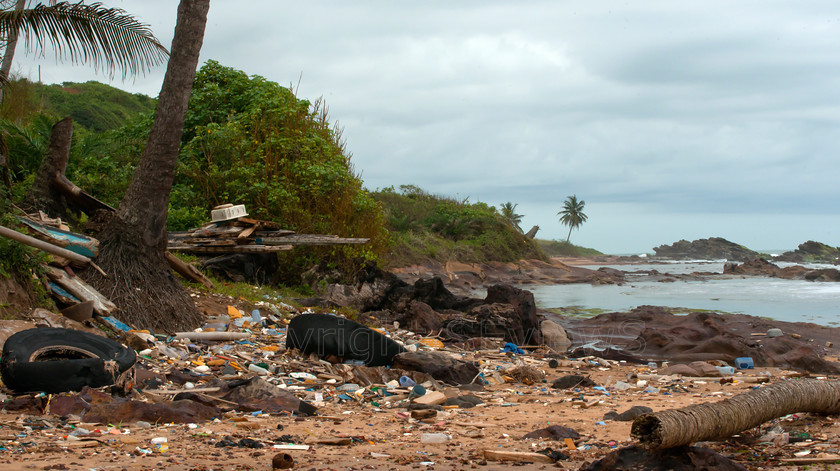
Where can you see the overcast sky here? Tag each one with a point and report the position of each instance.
(672, 120)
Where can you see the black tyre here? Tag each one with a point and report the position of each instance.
(56, 360)
(331, 335)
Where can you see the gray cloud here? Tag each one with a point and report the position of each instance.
(671, 119)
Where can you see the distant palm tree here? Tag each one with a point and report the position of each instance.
(572, 214)
(508, 211)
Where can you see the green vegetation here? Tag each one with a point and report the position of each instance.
(250, 141)
(425, 226)
(563, 248)
(92, 105)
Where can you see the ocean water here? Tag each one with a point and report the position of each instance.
(787, 300)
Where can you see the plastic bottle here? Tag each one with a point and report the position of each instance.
(258, 369)
(727, 370)
(256, 318)
(434, 438)
(407, 382)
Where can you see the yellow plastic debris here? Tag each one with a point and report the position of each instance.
(233, 313)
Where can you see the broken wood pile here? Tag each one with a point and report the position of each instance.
(247, 235)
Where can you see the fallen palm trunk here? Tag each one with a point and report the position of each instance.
(677, 427)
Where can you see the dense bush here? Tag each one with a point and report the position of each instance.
(427, 226)
(250, 141)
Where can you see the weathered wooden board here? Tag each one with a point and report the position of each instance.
(84, 292)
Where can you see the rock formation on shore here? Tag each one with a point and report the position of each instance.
(761, 267)
(713, 248)
(811, 251)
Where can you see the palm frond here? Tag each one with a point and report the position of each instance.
(109, 38)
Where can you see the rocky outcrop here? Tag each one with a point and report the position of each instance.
(713, 248)
(652, 333)
(761, 267)
(813, 252)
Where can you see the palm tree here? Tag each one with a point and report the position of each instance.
(133, 243)
(572, 214)
(508, 211)
(109, 38)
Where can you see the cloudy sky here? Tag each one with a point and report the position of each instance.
(672, 120)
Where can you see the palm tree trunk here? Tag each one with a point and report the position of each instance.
(133, 244)
(9, 53)
(570, 234)
(700, 422)
(43, 195)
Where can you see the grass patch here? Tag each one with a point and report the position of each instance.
(562, 248)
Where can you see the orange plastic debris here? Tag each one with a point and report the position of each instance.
(431, 342)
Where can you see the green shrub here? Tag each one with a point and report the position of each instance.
(425, 226)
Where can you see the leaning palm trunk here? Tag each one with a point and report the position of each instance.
(677, 427)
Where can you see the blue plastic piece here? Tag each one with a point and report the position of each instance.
(512, 348)
(744, 363)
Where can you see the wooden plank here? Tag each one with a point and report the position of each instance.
(247, 232)
(259, 222)
(311, 239)
(78, 288)
(78, 243)
(499, 455)
(230, 249)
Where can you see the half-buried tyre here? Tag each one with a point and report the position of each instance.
(56, 360)
(329, 335)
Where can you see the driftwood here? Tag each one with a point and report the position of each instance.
(718, 420)
(188, 271)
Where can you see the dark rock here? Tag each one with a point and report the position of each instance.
(825, 274)
(752, 267)
(713, 248)
(526, 327)
(416, 406)
(628, 415)
(572, 381)
(421, 414)
(421, 318)
(464, 402)
(441, 366)
(552, 432)
(251, 268)
(676, 459)
(255, 394)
